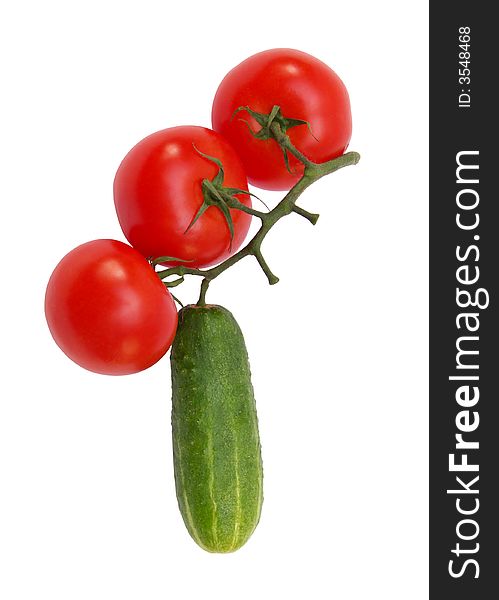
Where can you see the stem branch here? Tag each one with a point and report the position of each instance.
(265, 267)
(312, 217)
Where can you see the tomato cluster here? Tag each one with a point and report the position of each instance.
(105, 306)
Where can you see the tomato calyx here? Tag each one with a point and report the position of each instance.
(223, 198)
(161, 259)
(156, 262)
(274, 125)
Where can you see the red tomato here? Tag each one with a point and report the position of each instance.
(304, 88)
(108, 310)
(157, 193)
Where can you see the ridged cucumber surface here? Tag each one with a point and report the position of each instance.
(216, 445)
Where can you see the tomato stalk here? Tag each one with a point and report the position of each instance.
(276, 129)
(313, 172)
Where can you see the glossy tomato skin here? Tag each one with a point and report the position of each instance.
(305, 88)
(157, 193)
(107, 309)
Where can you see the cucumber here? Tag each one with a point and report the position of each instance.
(216, 445)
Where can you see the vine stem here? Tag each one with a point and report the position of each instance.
(312, 173)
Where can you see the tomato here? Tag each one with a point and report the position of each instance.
(157, 193)
(304, 88)
(108, 310)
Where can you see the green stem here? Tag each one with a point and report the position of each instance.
(202, 292)
(283, 140)
(313, 172)
(265, 267)
(312, 217)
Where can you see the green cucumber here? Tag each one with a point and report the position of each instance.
(216, 445)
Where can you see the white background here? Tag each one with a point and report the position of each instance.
(338, 348)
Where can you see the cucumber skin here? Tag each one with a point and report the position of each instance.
(216, 445)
